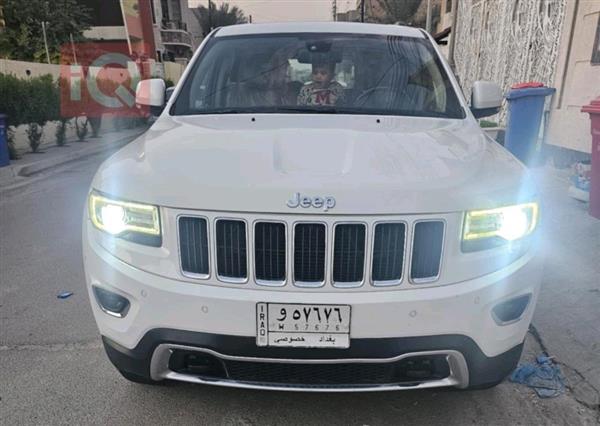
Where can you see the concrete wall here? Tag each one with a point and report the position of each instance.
(173, 71)
(19, 69)
(508, 42)
(109, 124)
(106, 33)
(48, 136)
(577, 81)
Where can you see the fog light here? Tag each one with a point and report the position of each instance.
(510, 311)
(111, 303)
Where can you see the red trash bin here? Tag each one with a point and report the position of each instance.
(593, 109)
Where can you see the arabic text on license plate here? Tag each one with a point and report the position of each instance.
(309, 326)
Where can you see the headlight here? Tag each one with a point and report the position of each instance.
(490, 228)
(135, 222)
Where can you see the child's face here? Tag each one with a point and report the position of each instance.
(321, 76)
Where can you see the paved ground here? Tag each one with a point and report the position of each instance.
(53, 369)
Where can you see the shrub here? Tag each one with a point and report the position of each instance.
(12, 150)
(11, 94)
(61, 132)
(81, 129)
(95, 123)
(485, 124)
(34, 133)
(33, 101)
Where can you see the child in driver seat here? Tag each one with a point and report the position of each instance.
(323, 90)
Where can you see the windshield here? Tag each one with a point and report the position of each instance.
(329, 73)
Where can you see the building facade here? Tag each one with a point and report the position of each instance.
(171, 27)
(176, 30)
(577, 77)
(547, 41)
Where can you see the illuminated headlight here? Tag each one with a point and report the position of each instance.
(490, 228)
(135, 222)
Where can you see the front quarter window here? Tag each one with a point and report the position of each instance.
(296, 73)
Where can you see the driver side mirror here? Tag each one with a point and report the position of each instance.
(486, 99)
(151, 93)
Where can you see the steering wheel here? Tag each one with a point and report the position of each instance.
(361, 100)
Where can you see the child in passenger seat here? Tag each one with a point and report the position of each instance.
(322, 90)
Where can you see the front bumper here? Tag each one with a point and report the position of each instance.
(467, 365)
(387, 326)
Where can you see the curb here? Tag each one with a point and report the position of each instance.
(10, 174)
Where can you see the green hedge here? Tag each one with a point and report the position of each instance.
(33, 101)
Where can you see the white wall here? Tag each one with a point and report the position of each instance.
(19, 69)
(106, 33)
(568, 126)
(508, 42)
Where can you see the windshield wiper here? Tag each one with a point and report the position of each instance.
(271, 110)
(327, 109)
(227, 111)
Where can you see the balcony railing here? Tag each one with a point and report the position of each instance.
(176, 37)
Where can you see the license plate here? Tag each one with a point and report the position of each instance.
(302, 326)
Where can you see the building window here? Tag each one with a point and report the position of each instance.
(596, 51)
(164, 5)
(448, 6)
(153, 12)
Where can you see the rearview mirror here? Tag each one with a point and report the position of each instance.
(486, 99)
(151, 93)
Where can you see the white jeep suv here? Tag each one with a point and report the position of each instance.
(316, 208)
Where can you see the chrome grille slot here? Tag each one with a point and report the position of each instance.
(193, 246)
(349, 254)
(388, 253)
(269, 252)
(309, 254)
(428, 240)
(232, 263)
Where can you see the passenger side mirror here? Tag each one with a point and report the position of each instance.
(151, 93)
(486, 99)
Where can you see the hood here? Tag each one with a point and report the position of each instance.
(245, 163)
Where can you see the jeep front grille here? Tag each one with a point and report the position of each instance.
(309, 254)
(427, 246)
(286, 251)
(269, 252)
(231, 250)
(193, 245)
(349, 254)
(388, 253)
